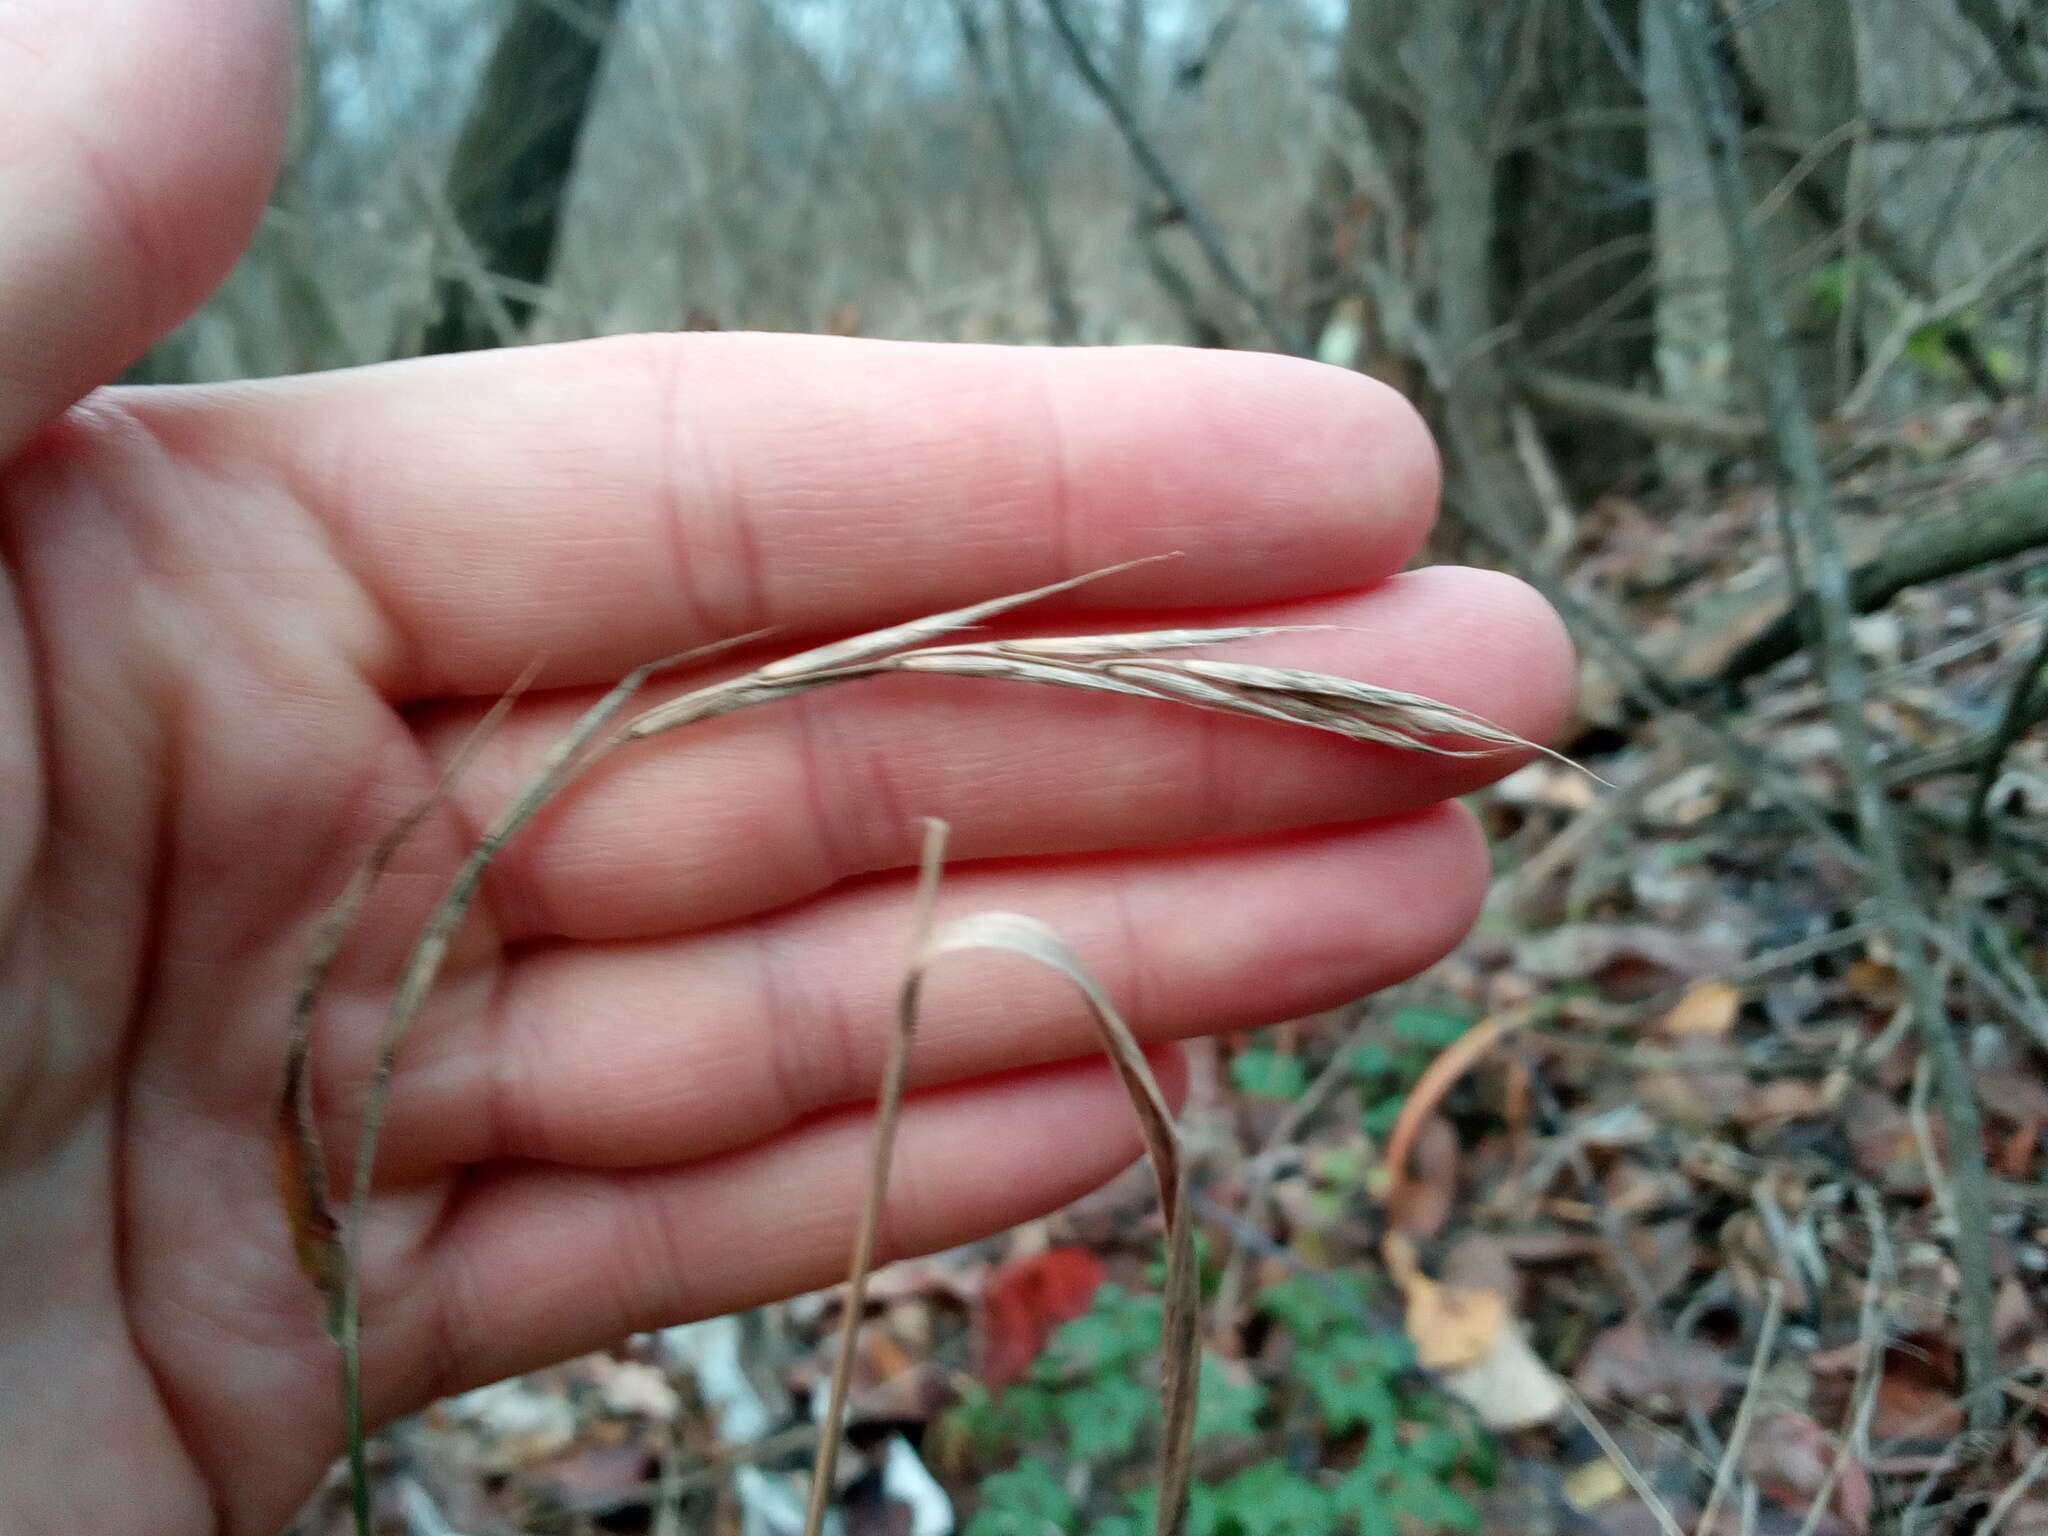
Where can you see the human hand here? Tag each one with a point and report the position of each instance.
(241, 627)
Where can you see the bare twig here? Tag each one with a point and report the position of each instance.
(1560, 523)
(2010, 1496)
(1869, 1370)
(1667, 1523)
(1025, 181)
(1990, 523)
(1920, 314)
(1156, 170)
(1651, 415)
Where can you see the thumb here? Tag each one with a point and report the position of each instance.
(137, 142)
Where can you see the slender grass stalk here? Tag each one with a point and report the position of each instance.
(888, 1106)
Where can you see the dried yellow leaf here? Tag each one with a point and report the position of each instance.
(1596, 1483)
(1708, 1011)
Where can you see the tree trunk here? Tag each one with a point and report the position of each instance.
(1576, 216)
(509, 176)
(1518, 235)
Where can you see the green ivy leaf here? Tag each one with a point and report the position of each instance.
(1027, 1412)
(1272, 1499)
(1378, 1119)
(1102, 1419)
(1431, 1027)
(1025, 1501)
(1432, 1504)
(1310, 1306)
(1225, 1406)
(1205, 1512)
(1351, 1377)
(1927, 350)
(1439, 1450)
(1116, 1331)
(1373, 1060)
(1359, 1496)
(1265, 1073)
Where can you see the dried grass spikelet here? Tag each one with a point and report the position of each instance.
(1131, 665)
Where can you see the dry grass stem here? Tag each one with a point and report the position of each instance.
(1869, 1370)
(421, 968)
(1126, 664)
(2017, 1489)
(1641, 1486)
(888, 1107)
(1738, 1436)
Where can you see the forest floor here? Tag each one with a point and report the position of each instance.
(1673, 1163)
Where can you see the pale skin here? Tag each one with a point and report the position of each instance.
(240, 626)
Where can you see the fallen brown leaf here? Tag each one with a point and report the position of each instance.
(1916, 1398)
(1420, 1203)
(1629, 1363)
(1791, 1459)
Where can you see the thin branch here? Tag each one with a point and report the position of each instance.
(1957, 127)
(2009, 50)
(2014, 1492)
(1184, 207)
(1990, 524)
(1025, 182)
(1651, 415)
(1810, 513)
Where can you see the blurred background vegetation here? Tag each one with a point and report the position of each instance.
(1732, 318)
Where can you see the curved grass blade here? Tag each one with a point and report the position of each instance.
(1179, 1340)
(423, 965)
(301, 1160)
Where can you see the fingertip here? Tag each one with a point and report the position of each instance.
(1494, 645)
(1286, 476)
(1393, 474)
(1528, 642)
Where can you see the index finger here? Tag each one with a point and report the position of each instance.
(603, 502)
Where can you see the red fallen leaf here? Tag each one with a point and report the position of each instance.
(1024, 1301)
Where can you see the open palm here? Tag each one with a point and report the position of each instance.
(241, 626)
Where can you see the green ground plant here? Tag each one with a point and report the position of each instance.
(1389, 1454)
